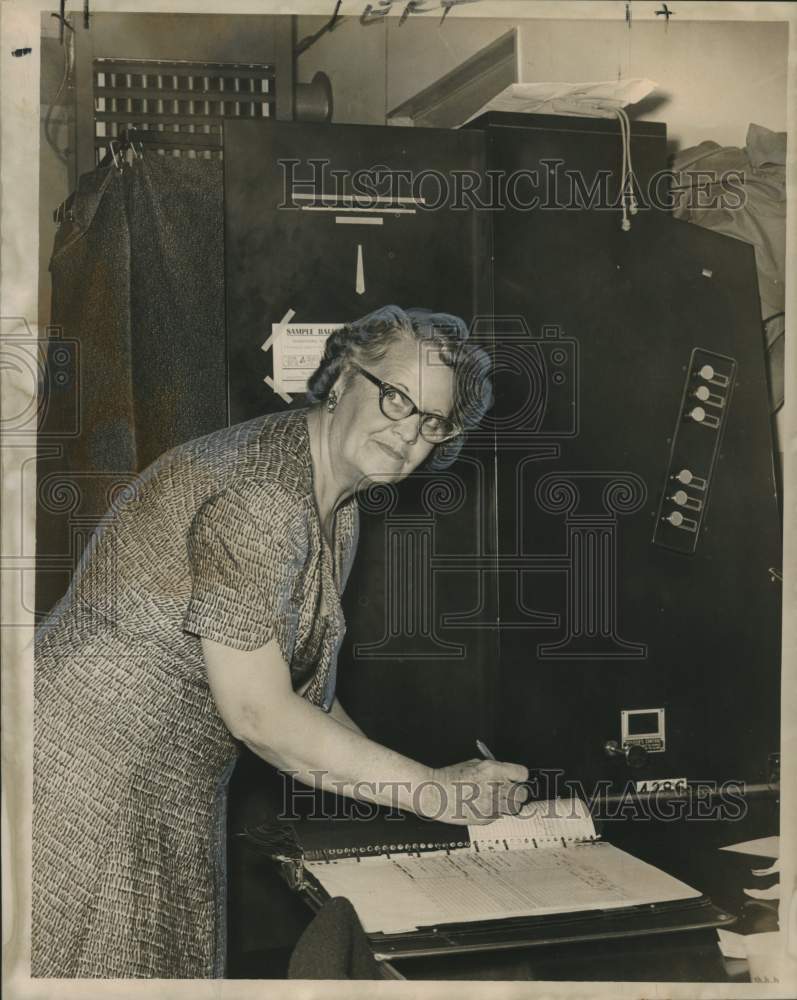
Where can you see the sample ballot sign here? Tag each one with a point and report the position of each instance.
(297, 349)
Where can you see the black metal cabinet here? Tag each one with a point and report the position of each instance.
(415, 670)
(606, 603)
(564, 508)
(539, 589)
(412, 682)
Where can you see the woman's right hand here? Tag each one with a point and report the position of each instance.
(253, 693)
(474, 792)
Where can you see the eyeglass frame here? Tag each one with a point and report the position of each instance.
(383, 389)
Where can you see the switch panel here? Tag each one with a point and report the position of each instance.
(643, 727)
(696, 440)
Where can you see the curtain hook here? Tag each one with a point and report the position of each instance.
(116, 159)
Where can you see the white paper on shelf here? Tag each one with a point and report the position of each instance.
(539, 98)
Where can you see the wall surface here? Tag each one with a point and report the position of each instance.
(353, 57)
(714, 78)
(211, 37)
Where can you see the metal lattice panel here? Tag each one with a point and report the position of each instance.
(187, 101)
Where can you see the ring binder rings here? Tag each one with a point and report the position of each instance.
(540, 877)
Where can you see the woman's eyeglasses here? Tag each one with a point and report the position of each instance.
(396, 406)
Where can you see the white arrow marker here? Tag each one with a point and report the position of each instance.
(360, 283)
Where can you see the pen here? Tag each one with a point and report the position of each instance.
(487, 753)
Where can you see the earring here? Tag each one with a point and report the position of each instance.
(332, 401)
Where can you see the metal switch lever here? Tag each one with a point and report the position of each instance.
(688, 478)
(682, 498)
(635, 756)
(699, 415)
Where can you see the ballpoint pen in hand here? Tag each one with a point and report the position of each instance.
(487, 753)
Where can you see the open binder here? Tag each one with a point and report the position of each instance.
(542, 877)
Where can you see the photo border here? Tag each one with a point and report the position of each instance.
(20, 26)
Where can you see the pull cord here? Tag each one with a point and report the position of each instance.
(627, 177)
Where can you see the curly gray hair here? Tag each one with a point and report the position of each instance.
(368, 339)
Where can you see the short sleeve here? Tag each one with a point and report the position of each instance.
(246, 550)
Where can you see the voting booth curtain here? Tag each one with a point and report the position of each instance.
(136, 346)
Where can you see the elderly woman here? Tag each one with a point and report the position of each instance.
(206, 613)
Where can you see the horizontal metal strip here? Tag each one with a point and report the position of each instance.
(341, 208)
(153, 137)
(187, 140)
(202, 84)
(359, 220)
(139, 119)
(213, 96)
(351, 199)
(176, 153)
(213, 70)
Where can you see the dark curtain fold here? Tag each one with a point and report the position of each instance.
(136, 357)
(87, 436)
(175, 214)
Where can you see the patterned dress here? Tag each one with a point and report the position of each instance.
(219, 538)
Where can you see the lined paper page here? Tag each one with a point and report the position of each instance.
(545, 823)
(402, 893)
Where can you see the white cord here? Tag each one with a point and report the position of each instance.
(625, 224)
(630, 176)
(69, 63)
(627, 177)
